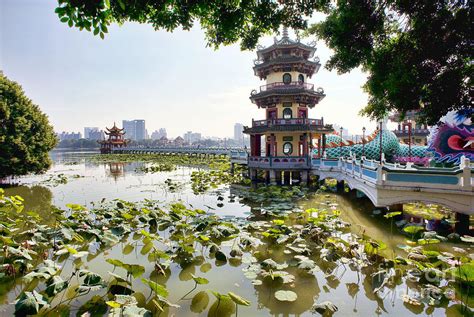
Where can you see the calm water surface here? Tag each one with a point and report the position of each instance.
(350, 291)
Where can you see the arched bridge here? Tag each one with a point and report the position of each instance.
(389, 184)
(384, 184)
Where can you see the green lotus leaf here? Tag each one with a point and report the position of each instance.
(155, 287)
(238, 299)
(286, 296)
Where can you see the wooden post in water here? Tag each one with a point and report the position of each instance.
(462, 224)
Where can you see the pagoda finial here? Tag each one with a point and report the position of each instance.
(285, 33)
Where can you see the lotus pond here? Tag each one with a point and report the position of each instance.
(180, 236)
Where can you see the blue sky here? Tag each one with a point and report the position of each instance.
(171, 80)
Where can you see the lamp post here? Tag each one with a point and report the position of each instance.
(363, 141)
(409, 140)
(340, 134)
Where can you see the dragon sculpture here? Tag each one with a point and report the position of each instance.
(451, 139)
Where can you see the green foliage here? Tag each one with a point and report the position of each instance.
(156, 288)
(413, 229)
(224, 22)
(26, 136)
(29, 303)
(200, 302)
(417, 53)
(277, 255)
(465, 274)
(238, 300)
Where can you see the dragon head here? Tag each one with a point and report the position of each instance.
(453, 137)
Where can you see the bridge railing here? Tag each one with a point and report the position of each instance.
(279, 162)
(239, 157)
(457, 178)
(387, 174)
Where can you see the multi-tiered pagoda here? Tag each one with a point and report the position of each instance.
(287, 133)
(409, 130)
(115, 140)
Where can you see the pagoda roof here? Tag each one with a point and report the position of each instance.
(281, 63)
(114, 129)
(285, 43)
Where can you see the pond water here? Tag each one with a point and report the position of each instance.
(75, 179)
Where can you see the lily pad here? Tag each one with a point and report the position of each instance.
(199, 302)
(326, 308)
(286, 296)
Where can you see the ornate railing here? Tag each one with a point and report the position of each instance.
(279, 162)
(388, 174)
(282, 86)
(293, 121)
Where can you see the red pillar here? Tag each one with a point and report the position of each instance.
(319, 147)
(305, 144)
(252, 145)
(272, 145)
(258, 144)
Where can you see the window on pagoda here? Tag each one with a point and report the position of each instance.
(287, 113)
(300, 78)
(287, 148)
(286, 78)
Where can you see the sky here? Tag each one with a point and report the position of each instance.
(170, 79)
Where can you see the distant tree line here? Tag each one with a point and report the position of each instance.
(92, 144)
(78, 144)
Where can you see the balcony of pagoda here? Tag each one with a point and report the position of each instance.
(293, 124)
(271, 94)
(280, 162)
(285, 64)
(287, 86)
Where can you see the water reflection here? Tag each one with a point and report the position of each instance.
(37, 198)
(116, 170)
(348, 286)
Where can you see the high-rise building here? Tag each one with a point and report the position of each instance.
(87, 130)
(96, 135)
(158, 134)
(93, 133)
(134, 129)
(238, 132)
(128, 127)
(140, 130)
(192, 137)
(68, 136)
(163, 133)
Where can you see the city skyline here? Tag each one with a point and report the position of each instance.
(151, 82)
